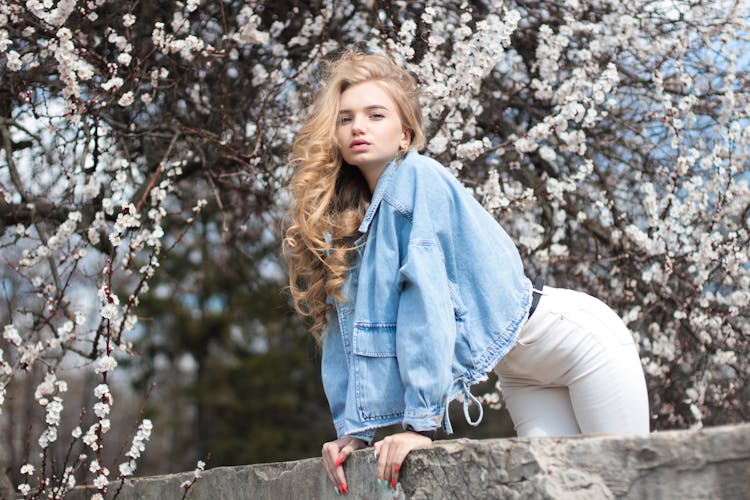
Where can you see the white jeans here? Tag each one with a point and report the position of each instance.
(574, 369)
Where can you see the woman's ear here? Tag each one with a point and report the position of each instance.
(405, 139)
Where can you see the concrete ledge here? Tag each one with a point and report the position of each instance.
(712, 463)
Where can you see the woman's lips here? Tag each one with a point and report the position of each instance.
(359, 145)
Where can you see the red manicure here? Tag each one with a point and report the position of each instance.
(344, 489)
(339, 461)
(395, 469)
(393, 483)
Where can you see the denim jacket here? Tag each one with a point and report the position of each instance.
(435, 298)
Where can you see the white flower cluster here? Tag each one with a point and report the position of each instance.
(26, 470)
(473, 149)
(248, 32)
(50, 387)
(6, 372)
(495, 197)
(137, 447)
(62, 236)
(28, 354)
(105, 364)
(109, 308)
(10, 333)
(91, 438)
(55, 17)
(200, 467)
(127, 218)
(104, 405)
(100, 481)
(71, 66)
(169, 43)
(142, 435)
(475, 53)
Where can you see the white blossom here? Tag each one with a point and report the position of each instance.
(13, 60)
(101, 410)
(101, 481)
(126, 99)
(142, 435)
(105, 364)
(11, 335)
(113, 83)
(110, 311)
(91, 438)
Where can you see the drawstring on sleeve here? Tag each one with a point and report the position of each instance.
(468, 397)
(447, 428)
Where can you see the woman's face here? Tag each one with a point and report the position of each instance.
(369, 130)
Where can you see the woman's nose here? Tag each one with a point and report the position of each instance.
(357, 125)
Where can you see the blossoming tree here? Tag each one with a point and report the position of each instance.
(611, 139)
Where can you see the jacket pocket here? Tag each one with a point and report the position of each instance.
(379, 390)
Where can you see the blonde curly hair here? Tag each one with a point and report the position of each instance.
(329, 196)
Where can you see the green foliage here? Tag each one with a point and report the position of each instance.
(237, 375)
(265, 408)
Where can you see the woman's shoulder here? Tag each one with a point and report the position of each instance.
(421, 177)
(416, 163)
(417, 172)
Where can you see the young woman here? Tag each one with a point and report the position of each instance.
(415, 291)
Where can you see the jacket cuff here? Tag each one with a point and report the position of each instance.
(423, 421)
(366, 436)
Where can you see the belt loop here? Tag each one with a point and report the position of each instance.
(536, 294)
(538, 284)
(473, 398)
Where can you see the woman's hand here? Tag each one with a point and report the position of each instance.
(334, 454)
(392, 451)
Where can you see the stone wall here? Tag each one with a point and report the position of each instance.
(712, 463)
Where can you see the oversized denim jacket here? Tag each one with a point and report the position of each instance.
(435, 298)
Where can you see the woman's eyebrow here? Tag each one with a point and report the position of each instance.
(368, 108)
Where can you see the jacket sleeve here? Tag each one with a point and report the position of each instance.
(426, 333)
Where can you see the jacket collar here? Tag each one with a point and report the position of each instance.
(384, 181)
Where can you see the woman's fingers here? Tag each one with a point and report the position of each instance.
(343, 454)
(388, 458)
(396, 456)
(329, 453)
(393, 450)
(334, 455)
(339, 469)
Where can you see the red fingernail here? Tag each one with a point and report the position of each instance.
(393, 483)
(395, 469)
(339, 461)
(344, 488)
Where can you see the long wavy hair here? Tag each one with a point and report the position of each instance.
(329, 196)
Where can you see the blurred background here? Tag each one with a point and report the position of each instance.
(143, 161)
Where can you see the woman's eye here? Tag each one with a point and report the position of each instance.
(344, 120)
(377, 116)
